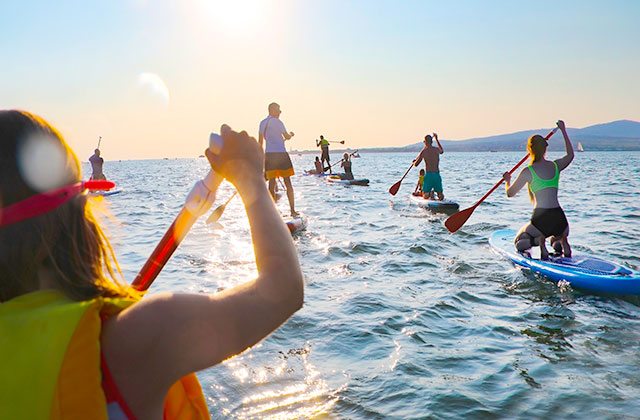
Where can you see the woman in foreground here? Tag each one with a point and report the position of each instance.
(543, 177)
(110, 354)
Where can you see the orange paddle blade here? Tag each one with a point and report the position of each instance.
(457, 220)
(394, 188)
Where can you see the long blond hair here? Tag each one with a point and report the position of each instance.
(67, 241)
(537, 147)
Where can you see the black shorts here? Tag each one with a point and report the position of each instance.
(277, 165)
(551, 222)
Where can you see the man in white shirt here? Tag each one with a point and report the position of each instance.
(277, 163)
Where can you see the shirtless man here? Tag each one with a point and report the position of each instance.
(96, 166)
(431, 155)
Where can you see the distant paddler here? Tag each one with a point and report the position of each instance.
(317, 170)
(96, 166)
(346, 166)
(323, 144)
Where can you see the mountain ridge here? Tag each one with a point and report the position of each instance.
(619, 135)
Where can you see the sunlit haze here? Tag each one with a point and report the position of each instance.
(155, 77)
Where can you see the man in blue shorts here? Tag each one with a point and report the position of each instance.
(431, 155)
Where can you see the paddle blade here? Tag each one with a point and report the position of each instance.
(394, 188)
(342, 142)
(457, 220)
(216, 226)
(215, 216)
(99, 184)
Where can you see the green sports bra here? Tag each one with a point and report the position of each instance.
(538, 183)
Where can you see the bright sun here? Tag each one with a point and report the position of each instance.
(234, 15)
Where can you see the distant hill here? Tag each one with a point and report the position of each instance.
(615, 135)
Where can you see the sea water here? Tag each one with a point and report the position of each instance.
(401, 318)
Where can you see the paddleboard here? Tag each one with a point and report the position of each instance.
(337, 180)
(104, 193)
(444, 205)
(581, 271)
(308, 172)
(297, 224)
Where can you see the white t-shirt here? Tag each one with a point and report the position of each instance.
(272, 129)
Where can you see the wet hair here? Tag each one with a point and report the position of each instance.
(66, 241)
(536, 147)
(428, 139)
(422, 172)
(317, 158)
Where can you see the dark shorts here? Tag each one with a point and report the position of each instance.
(277, 165)
(325, 154)
(551, 222)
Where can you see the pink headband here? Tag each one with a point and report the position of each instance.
(42, 203)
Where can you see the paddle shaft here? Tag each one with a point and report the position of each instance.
(198, 201)
(523, 160)
(99, 140)
(164, 250)
(406, 173)
(341, 160)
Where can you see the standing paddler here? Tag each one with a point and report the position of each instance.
(277, 163)
(323, 144)
(431, 155)
(96, 166)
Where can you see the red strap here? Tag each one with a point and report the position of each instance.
(39, 204)
(111, 391)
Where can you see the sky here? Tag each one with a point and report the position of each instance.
(154, 77)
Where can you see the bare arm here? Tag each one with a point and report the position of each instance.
(287, 136)
(418, 159)
(261, 136)
(155, 342)
(435, 136)
(521, 181)
(564, 161)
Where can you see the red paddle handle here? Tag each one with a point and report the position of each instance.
(547, 137)
(198, 201)
(164, 250)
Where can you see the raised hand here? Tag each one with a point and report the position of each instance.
(240, 159)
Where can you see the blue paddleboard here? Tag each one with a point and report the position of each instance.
(104, 193)
(581, 271)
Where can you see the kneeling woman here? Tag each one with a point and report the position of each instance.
(542, 177)
(346, 166)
